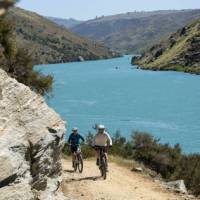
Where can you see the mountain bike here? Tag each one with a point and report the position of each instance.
(78, 162)
(102, 161)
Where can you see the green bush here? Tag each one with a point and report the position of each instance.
(190, 172)
(168, 161)
(160, 157)
(24, 72)
(66, 149)
(121, 147)
(87, 149)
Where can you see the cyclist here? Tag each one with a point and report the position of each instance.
(101, 139)
(74, 141)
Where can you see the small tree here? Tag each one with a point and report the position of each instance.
(17, 61)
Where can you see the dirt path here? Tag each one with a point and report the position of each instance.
(121, 184)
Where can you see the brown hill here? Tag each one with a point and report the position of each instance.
(50, 43)
(134, 32)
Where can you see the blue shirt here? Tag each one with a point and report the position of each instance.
(74, 139)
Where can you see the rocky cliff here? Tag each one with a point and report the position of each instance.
(31, 139)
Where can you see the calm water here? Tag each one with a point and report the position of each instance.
(166, 104)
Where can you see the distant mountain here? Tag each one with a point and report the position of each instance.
(67, 23)
(50, 43)
(135, 31)
(181, 52)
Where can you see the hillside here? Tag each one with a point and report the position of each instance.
(134, 32)
(51, 43)
(180, 52)
(67, 23)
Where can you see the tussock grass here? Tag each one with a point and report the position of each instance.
(174, 57)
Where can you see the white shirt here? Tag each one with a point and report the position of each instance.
(102, 140)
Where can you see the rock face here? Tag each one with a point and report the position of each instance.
(31, 139)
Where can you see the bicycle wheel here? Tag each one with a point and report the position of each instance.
(103, 168)
(80, 163)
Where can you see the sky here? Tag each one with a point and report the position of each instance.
(89, 9)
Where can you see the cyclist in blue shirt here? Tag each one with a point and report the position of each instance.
(74, 141)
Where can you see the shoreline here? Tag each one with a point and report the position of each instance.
(76, 61)
(170, 69)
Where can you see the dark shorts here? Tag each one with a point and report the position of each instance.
(105, 149)
(74, 149)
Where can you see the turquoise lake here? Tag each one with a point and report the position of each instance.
(166, 104)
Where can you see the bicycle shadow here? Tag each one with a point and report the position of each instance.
(68, 171)
(90, 178)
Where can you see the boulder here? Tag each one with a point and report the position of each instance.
(31, 141)
(137, 169)
(178, 186)
(81, 59)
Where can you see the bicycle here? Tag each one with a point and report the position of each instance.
(78, 162)
(102, 161)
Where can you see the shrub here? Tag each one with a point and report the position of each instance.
(160, 157)
(66, 149)
(121, 147)
(168, 161)
(19, 63)
(87, 150)
(190, 172)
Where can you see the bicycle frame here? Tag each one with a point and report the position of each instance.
(103, 161)
(78, 162)
(78, 153)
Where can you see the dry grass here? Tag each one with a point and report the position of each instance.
(174, 55)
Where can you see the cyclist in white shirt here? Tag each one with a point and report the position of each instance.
(101, 139)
